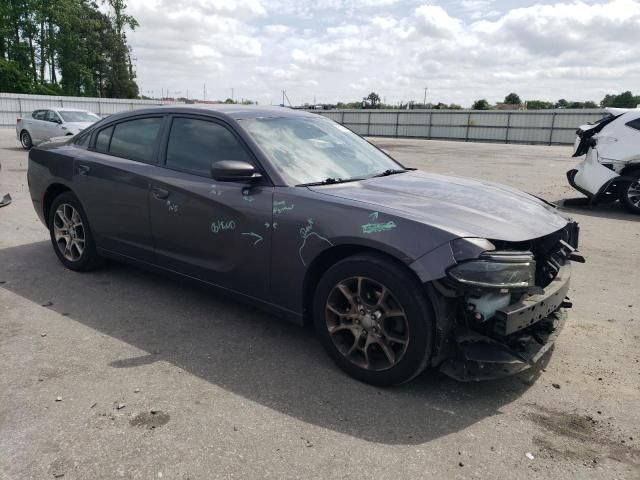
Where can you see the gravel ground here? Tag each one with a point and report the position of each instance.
(124, 374)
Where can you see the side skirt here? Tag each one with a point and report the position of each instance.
(222, 291)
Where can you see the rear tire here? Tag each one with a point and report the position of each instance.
(629, 193)
(25, 140)
(71, 235)
(374, 320)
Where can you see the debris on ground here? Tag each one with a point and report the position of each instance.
(48, 304)
(58, 399)
(136, 390)
(6, 200)
(120, 406)
(43, 334)
(529, 455)
(555, 385)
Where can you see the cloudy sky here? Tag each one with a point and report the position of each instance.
(461, 50)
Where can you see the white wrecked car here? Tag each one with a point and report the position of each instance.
(611, 169)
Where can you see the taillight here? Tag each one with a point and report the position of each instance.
(18, 119)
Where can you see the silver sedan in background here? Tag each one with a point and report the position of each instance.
(44, 124)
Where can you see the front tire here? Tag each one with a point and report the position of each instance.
(629, 193)
(25, 140)
(71, 235)
(374, 319)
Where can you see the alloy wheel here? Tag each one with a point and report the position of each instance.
(633, 194)
(366, 323)
(69, 232)
(25, 139)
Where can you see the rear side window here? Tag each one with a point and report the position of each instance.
(103, 138)
(38, 114)
(195, 144)
(82, 139)
(135, 139)
(634, 124)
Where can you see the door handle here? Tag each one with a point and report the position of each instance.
(84, 169)
(159, 193)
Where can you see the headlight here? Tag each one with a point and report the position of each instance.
(497, 270)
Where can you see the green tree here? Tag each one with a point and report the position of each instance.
(69, 46)
(623, 100)
(372, 100)
(538, 105)
(481, 104)
(512, 99)
(562, 103)
(12, 78)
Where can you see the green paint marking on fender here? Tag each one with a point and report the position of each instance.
(378, 227)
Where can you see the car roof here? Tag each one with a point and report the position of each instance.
(236, 112)
(63, 109)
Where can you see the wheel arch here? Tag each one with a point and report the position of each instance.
(50, 194)
(329, 257)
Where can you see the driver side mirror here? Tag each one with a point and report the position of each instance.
(234, 171)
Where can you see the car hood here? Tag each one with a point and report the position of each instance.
(461, 206)
(77, 126)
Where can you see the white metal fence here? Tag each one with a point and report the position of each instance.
(532, 126)
(528, 126)
(14, 105)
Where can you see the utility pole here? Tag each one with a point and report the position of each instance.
(424, 102)
(204, 92)
(231, 93)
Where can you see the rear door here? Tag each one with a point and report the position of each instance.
(36, 125)
(219, 232)
(111, 179)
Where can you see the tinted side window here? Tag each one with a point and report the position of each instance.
(103, 138)
(51, 116)
(38, 114)
(634, 124)
(195, 144)
(136, 139)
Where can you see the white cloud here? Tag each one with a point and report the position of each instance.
(342, 50)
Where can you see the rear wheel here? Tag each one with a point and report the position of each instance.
(374, 320)
(629, 193)
(71, 235)
(25, 140)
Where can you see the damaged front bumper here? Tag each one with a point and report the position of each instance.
(519, 336)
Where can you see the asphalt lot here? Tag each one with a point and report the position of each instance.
(239, 394)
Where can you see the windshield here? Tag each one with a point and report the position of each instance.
(306, 150)
(79, 116)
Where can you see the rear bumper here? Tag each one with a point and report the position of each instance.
(522, 333)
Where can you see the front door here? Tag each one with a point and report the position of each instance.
(219, 232)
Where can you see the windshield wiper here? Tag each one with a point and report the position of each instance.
(388, 172)
(329, 181)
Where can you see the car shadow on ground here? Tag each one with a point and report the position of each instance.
(260, 357)
(581, 206)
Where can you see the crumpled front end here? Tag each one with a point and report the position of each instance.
(494, 330)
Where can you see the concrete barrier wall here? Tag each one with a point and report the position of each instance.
(550, 127)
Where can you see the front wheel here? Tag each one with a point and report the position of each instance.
(629, 193)
(374, 320)
(71, 235)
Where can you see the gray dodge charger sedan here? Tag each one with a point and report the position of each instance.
(397, 269)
